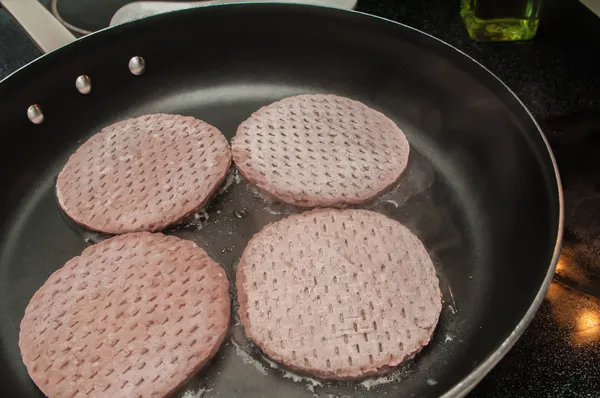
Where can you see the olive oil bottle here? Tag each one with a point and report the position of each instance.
(501, 20)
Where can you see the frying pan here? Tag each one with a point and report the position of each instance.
(481, 190)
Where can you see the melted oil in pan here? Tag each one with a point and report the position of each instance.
(238, 211)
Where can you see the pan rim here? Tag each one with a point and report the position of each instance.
(468, 383)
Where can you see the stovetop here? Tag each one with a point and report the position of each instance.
(557, 75)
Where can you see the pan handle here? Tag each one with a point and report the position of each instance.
(39, 24)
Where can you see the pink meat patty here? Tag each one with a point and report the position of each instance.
(318, 150)
(143, 174)
(133, 316)
(339, 294)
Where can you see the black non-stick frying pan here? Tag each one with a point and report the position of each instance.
(481, 189)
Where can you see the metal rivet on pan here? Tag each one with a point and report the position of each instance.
(137, 65)
(34, 113)
(83, 84)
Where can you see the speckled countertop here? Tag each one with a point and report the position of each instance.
(557, 75)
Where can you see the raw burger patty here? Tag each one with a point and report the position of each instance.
(143, 174)
(339, 294)
(134, 316)
(320, 150)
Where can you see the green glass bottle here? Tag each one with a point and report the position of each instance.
(501, 20)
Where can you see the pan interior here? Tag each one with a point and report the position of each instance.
(478, 189)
